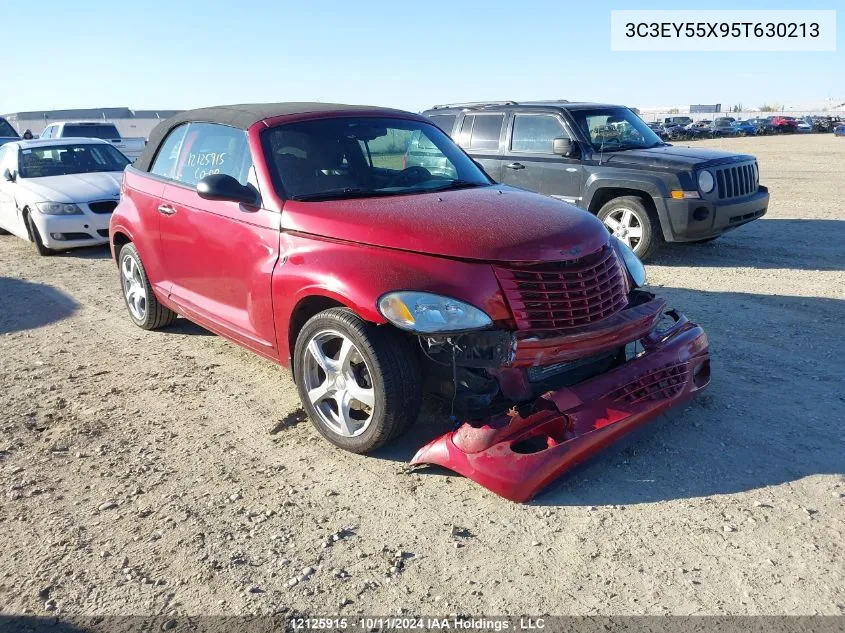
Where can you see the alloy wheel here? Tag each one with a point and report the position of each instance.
(339, 383)
(625, 225)
(133, 288)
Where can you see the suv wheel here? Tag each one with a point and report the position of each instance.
(144, 309)
(629, 220)
(359, 383)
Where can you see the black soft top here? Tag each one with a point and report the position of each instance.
(243, 116)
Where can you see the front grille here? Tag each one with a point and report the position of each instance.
(106, 206)
(736, 181)
(564, 295)
(658, 384)
(103, 232)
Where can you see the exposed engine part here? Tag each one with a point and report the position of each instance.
(485, 349)
(575, 370)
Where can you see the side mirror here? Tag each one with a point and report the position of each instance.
(8, 175)
(224, 187)
(562, 146)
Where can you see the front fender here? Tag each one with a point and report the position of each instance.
(356, 276)
(658, 189)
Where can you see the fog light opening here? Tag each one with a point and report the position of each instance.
(701, 374)
(701, 213)
(58, 236)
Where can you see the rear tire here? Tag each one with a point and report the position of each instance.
(359, 383)
(35, 236)
(628, 218)
(144, 308)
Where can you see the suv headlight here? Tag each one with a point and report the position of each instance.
(635, 267)
(428, 313)
(58, 208)
(706, 182)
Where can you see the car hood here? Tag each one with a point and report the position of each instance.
(75, 187)
(495, 223)
(672, 157)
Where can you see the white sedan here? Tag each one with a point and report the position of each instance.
(59, 193)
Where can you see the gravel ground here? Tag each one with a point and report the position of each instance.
(173, 472)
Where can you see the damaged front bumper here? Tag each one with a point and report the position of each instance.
(516, 454)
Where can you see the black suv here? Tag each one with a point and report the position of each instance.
(606, 159)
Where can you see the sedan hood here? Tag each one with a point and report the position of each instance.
(672, 157)
(75, 187)
(495, 223)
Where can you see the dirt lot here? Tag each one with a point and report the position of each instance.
(160, 472)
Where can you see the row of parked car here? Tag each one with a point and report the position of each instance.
(677, 128)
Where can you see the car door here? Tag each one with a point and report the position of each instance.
(480, 134)
(219, 255)
(530, 163)
(10, 219)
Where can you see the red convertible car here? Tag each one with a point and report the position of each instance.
(302, 232)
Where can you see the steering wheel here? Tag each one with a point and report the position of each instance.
(410, 176)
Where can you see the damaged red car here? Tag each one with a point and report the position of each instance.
(304, 232)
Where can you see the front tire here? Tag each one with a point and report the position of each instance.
(359, 383)
(35, 236)
(145, 310)
(628, 219)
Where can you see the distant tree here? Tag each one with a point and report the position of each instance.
(737, 108)
(770, 107)
(674, 111)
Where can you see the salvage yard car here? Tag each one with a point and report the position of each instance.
(129, 147)
(606, 159)
(297, 231)
(7, 132)
(59, 193)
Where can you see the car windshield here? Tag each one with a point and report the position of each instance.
(7, 130)
(615, 128)
(360, 157)
(87, 130)
(61, 160)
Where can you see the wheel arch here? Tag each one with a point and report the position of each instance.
(305, 308)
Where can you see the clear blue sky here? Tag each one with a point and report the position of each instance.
(184, 53)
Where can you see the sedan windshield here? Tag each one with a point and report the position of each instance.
(7, 130)
(61, 160)
(330, 159)
(615, 128)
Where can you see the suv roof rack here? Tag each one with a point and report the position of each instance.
(473, 104)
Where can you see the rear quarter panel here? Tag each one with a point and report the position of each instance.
(137, 218)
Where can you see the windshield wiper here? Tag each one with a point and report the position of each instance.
(338, 194)
(459, 184)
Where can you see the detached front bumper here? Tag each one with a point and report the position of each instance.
(693, 220)
(517, 454)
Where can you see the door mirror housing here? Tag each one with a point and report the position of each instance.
(563, 146)
(225, 188)
(8, 175)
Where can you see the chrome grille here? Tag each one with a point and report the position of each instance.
(564, 295)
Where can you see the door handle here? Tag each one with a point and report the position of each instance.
(166, 209)
(515, 166)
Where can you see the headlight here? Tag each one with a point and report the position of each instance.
(58, 208)
(635, 267)
(706, 181)
(428, 313)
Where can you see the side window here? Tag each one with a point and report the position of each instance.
(164, 164)
(444, 121)
(48, 132)
(536, 133)
(481, 131)
(209, 148)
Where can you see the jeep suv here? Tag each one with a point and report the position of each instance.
(606, 159)
(301, 232)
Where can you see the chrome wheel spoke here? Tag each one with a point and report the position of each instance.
(345, 422)
(611, 223)
(635, 232)
(345, 356)
(362, 394)
(318, 355)
(320, 392)
(627, 218)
